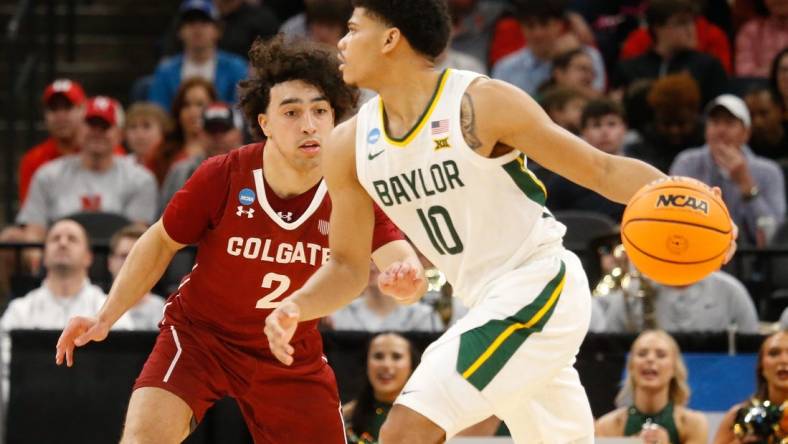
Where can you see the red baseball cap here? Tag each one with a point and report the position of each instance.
(67, 88)
(104, 108)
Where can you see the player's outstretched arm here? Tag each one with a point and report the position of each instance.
(497, 112)
(343, 277)
(401, 273)
(142, 269)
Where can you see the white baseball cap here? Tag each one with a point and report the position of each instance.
(733, 105)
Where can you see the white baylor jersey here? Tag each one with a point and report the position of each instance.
(475, 218)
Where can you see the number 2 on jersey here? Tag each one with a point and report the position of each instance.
(269, 301)
(432, 224)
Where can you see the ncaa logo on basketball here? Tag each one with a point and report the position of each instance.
(683, 201)
(246, 197)
(373, 136)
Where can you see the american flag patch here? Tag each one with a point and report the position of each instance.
(322, 227)
(439, 127)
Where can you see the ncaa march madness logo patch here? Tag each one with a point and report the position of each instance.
(246, 197)
(373, 136)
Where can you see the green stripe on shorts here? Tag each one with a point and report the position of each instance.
(485, 350)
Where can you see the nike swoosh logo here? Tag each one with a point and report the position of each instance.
(371, 156)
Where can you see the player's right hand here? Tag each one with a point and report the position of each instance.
(79, 331)
(280, 326)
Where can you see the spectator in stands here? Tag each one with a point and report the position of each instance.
(508, 35)
(473, 25)
(716, 303)
(574, 69)
(147, 125)
(374, 311)
(223, 129)
(779, 80)
(148, 311)
(323, 21)
(654, 396)
(242, 22)
(198, 29)
(610, 22)
(93, 180)
(760, 39)
(602, 125)
(709, 39)
(63, 114)
(771, 384)
(188, 139)
(543, 24)
(742, 11)
(564, 106)
(769, 136)
(752, 186)
(65, 292)
(390, 359)
(674, 101)
(672, 25)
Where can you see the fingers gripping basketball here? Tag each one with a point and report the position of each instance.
(676, 231)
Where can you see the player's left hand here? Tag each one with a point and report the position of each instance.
(403, 281)
(280, 326)
(732, 248)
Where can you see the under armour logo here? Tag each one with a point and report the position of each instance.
(286, 216)
(249, 213)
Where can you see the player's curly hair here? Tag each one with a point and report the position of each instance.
(279, 60)
(426, 24)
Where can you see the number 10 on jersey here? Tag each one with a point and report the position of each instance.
(437, 222)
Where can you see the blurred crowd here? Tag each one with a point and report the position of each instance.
(695, 88)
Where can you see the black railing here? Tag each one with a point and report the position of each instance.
(99, 383)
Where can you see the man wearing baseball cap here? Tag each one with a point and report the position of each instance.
(63, 102)
(93, 179)
(199, 30)
(223, 127)
(752, 186)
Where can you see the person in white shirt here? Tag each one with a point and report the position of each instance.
(149, 310)
(65, 292)
(94, 180)
(374, 311)
(717, 303)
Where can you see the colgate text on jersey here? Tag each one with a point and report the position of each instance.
(284, 253)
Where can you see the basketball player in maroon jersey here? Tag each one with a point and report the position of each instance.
(259, 216)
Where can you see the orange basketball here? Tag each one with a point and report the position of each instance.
(676, 231)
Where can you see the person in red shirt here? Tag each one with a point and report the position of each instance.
(709, 39)
(260, 218)
(64, 109)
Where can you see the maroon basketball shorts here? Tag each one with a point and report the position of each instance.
(298, 404)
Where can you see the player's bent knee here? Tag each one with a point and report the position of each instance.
(406, 426)
(156, 416)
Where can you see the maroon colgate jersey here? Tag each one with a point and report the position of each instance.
(253, 248)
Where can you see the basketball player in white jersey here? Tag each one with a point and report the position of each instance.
(444, 155)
